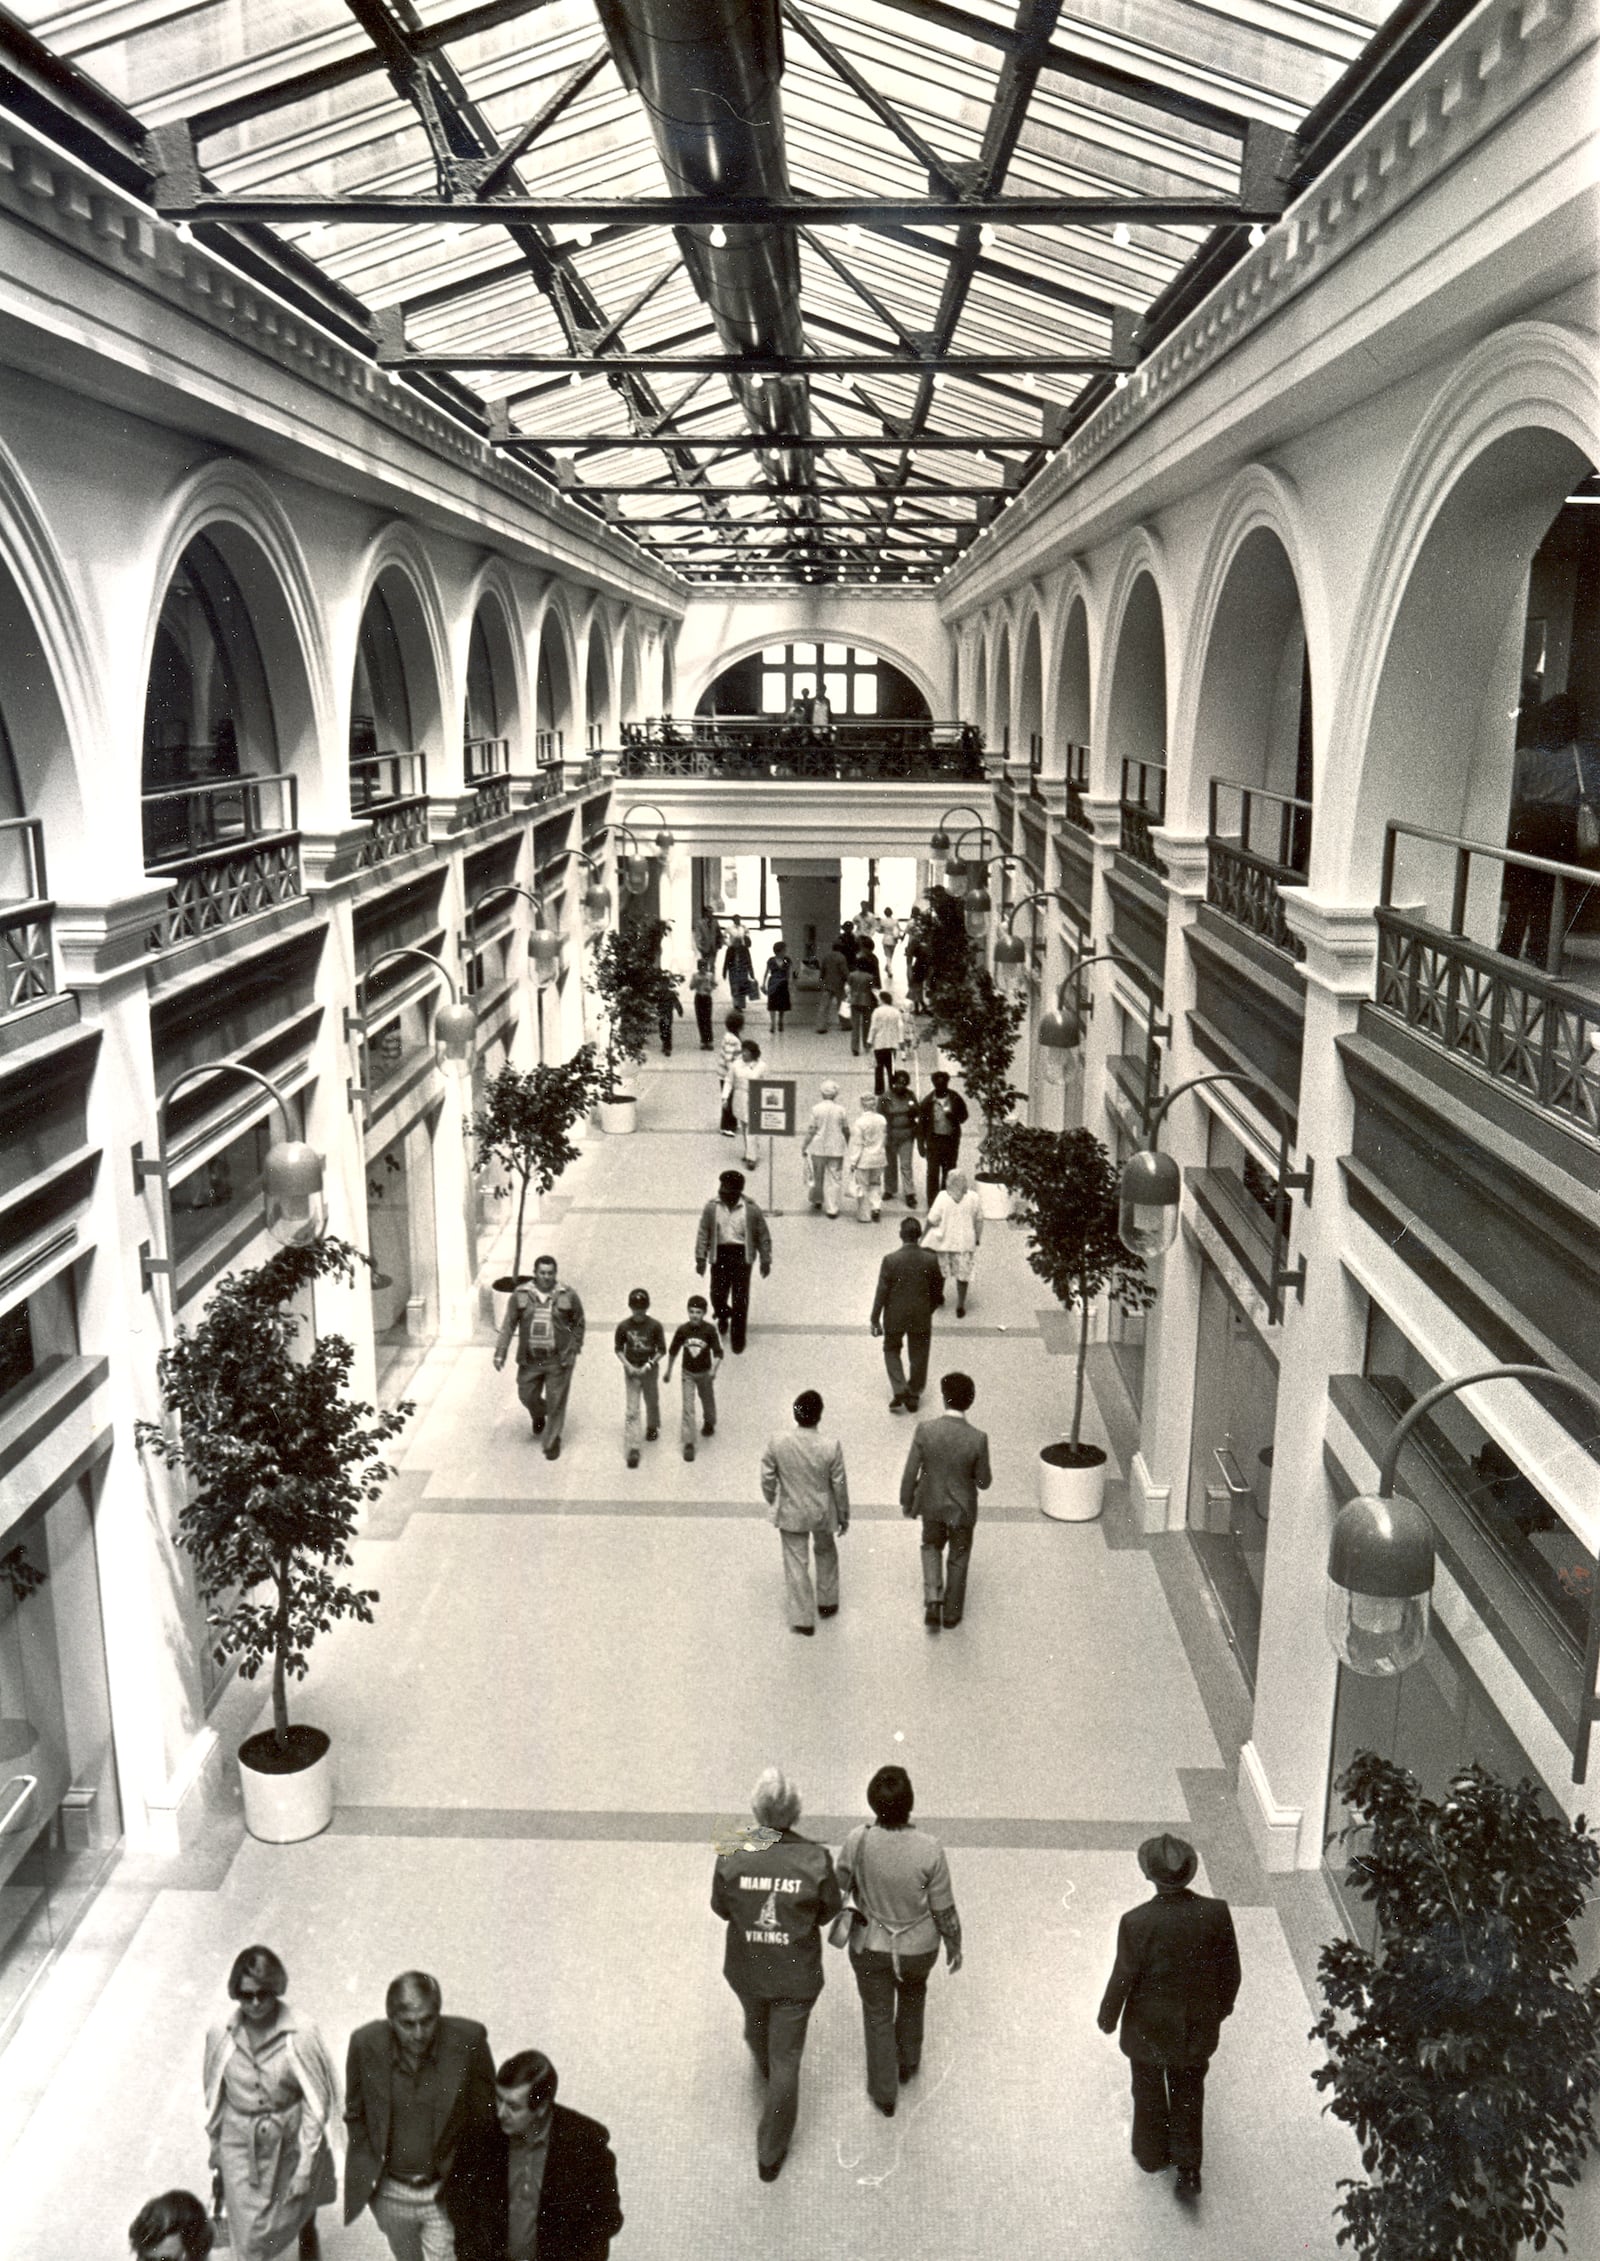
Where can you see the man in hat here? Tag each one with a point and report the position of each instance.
(1174, 1981)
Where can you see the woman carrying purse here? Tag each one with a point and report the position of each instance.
(899, 1880)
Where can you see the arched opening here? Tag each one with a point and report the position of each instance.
(33, 742)
(395, 707)
(552, 694)
(597, 687)
(669, 673)
(1136, 721)
(857, 683)
(1030, 697)
(1486, 728)
(980, 690)
(1000, 715)
(1068, 753)
(491, 721)
(219, 796)
(628, 700)
(1250, 781)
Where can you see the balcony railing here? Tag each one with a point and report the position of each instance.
(229, 850)
(1257, 844)
(1527, 1029)
(1035, 752)
(597, 736)
(389, 793)
(548, 746)
(739, 746)
(27, 956)
(487, 758)
(1077, 786)
(1144, 803)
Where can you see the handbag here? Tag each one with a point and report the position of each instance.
(1588, 820)
(221, 2227)
(843, 1924)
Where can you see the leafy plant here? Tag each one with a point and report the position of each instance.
(525, 1121)
(634, 989)
(1066, 1187)
(279, 1460)
(937, 928)
(980, 1030)
(1463, 2053)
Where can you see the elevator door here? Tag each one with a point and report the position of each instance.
(1230, 1466)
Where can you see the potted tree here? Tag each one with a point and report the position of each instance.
(1066, 1188)
(524, 1126)
(279, 1459)
(634, 989)
(981, 1026)
(937, 932)
(1463, 2052)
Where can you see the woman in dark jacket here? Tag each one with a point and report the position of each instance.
(775, 981)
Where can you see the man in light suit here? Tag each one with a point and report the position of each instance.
(803, 1481)
(419, 2091)
(910, 1289)
(1174, 1981)
(946, 1468)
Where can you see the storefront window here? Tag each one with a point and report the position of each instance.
(59, 1815)
(1230, 1465)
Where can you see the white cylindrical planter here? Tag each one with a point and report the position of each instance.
(994, 1197)
(1072, 1482)
(619, 1115)
(285, 1808)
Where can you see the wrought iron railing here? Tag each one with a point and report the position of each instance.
(1257, 844)
(185, 821)
(768, 746)
(1525, 1028)
(596, 736)
(486, 758)
(1077, 786)
(27, 954)
(229, 850)
(548, 746)
(1035, 752)
(379, 781)
(1143, 804)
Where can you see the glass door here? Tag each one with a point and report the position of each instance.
(1230, 1464)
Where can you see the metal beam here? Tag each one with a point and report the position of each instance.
(743, 443)
(760, 364)
(176, 200)
(662, 491)
(584, 74)
(937, 167)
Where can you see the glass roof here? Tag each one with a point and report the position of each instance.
(318, 101)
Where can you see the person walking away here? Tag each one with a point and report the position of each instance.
(862, 986)
(946, 1468)
(900, 1137)
(803, 1482)
(775, 1890)
(733, 1234)
(271, 2098)
(910, 1289)
(775, 982)
(547, 1320)
(1175, 1979)
(955, 1228)
(835, 972)
(889, 936)
(741, 1075)
(664, 1020)
(419, 2091)
(727, 1052)
(823, 1148)
(939, 1121)
(738, 967)
(899, 1880)
(543, 2185)
(641, 1344)
(886, 1032)
(916, 971)
(866, 1160)
(707, 934)
(702, 988)
(700, 1347)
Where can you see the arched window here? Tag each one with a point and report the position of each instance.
(380, 707)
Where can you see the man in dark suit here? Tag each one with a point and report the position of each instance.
(939, 1119)
(946, 1468)
(1175, 1979)
(910, 1290)
(541, 2181)
(419, 2094)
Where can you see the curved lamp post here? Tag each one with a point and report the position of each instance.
(959, 870)
(977, 904)
(596, 896)
(939, 839)
(664, 836)
(1152, 1185)
(1011, 953)
(635, 863)
(1381, 1559)
(455, 1026)
(544, 943)
(1061, 1031)
(291, 1177)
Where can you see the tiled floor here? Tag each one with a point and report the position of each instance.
(576, 1673)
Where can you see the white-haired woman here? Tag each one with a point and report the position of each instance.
(775, 1890)
(866, 1159)
(955, 1227)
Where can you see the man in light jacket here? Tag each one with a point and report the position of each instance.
(733, 1235)
(803, 1481)
(946, 1468)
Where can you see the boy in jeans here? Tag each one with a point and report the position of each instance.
(702, 988)
(900, 1120)
(641, 1344)
(701, 1348)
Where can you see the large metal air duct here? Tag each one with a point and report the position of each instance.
(708, 72)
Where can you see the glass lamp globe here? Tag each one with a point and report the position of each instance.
(1058, 1037)
(939, 843)
(455, 1030)
(976, 909)
(1147, 1206)
(636, 874)
(1380, 1583)
(544, 951)
(596, 903)
(957, 876)
(664, 841)
(296, 1211)
(1010, 963)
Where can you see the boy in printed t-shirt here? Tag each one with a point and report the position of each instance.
(641, 1344)
(700, 1346)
